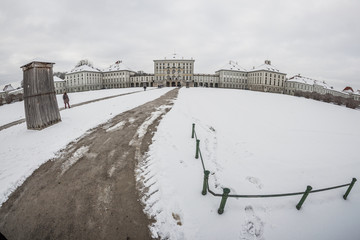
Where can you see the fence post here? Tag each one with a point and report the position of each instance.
(193, 130)
(226, 192)
(306, 193)
(205, 184)
(197, 149)
(349, 188)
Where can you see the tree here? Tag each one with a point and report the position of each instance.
(9, 98)
(351, 103)
(19, 96)
(306, 94)
(60, 75)
(315, 96)
(298, 93)
(1, 101)
(338, 100)
(84, 62)
(328, 98)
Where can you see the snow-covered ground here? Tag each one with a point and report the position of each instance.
(23, 151)
(15, 111)
(254, 143)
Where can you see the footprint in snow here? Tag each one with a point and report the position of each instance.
(255, 181)
(253, 227)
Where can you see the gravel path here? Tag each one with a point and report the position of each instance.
(89, 191)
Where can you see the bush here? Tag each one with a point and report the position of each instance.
(297, 93)
(339, 100)
(9, 99)
(315, 96)
(328, 98)
(19, 97)
(351, 103)
(306, 94)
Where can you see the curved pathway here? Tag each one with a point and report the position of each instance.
(89, 191)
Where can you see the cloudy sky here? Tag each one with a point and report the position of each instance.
(316, 38)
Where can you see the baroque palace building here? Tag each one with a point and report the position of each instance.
(176, 71)
(173, 71)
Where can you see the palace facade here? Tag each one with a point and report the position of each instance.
(176, 71)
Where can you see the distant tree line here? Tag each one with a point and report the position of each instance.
(329, 98)
(9, 98)
(60, 75)
(84, 62)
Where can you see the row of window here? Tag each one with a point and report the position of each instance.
(115, 74)
(266, 74)
(235, 74)
(78, 82)
(173, 64)
(235, 80)
(78, 75)
(234, 86)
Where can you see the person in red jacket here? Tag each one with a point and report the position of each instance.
(66, 99)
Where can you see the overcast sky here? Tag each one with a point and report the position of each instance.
(316, 38)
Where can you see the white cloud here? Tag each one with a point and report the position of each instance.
(315, 38)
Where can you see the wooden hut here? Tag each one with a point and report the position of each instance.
(41, 108)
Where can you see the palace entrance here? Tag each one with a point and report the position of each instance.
(173, 84)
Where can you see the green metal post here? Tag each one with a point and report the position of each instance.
(306, 193)
(197, 149)
(193, 130)
(226, 192)
(349, 188)
(205, 184)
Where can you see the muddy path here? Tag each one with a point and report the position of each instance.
(89, 190)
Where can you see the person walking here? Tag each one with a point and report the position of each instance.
(144, 87)
(66, 99)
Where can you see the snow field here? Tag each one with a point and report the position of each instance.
(15, 111)
(253, 143)
(23, 151)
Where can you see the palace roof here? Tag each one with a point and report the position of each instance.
(175, 56)
(84, 68)
(8, 88)
(348, 90)
(266, 67)
(232, 66)
(117, 66)
(57, 79)
(309, 81)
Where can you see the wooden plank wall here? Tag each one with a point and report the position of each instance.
(41, 108)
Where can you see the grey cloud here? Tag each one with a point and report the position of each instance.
(315, 38)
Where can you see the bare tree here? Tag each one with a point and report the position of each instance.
(60, 75)
(306, 94)
(19, 96)
(315, 96)
(9, 99)
(351, 103)
(328, 98)
(84, 62)
(339, 100)
(298, 93)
